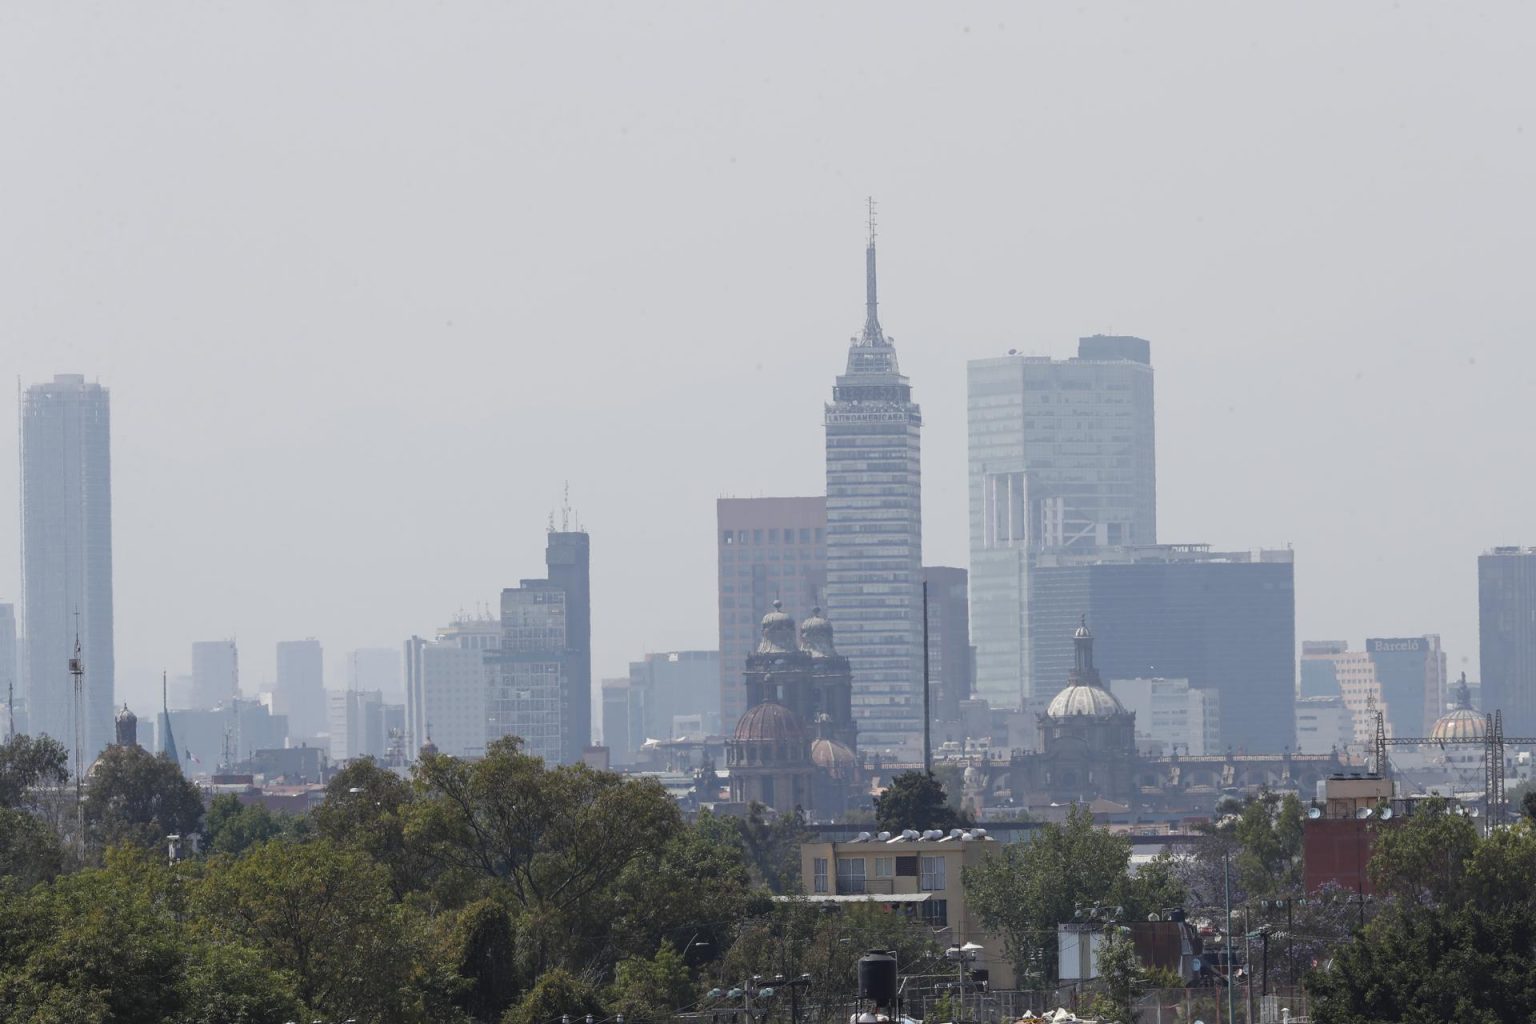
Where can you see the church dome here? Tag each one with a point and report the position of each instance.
(1085, 700)
(778, 632)
(816, 636)
(770, 722)
(1083, 695)
(1461, 722)
(835, 758)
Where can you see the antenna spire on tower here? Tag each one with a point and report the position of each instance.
(872, 333)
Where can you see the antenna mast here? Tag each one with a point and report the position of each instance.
(77, 671)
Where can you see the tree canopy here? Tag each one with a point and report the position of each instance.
(1455, 935)
(1025, 889)
(134, 796)
(916, 800)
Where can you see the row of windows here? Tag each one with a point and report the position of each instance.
(773, 535)
(852, 877)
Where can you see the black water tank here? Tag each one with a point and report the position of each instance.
(877, 977)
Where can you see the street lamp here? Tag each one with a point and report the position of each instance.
(962, 955)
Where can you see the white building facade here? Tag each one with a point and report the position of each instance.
(1171, 715)
(448, 682)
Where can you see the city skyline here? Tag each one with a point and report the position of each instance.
(1325, 341)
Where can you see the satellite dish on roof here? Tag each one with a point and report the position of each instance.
(1314, 813)
(1364, 812)
(1386, 814)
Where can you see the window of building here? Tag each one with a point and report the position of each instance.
(757, 536)
(932, 876)
(935, 913)
(850, 875)
(821, 535)
(885, 867)
(727, 537)
(805, 535)
(819, 874)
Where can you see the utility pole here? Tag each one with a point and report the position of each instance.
(1226, 885)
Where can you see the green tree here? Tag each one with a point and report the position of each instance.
(1024, 890)
(27, 762)
(652, 990)
(30, 851)
(1455, 937)
(1425, 859)
(690, 894)
(553, 842)
(771, 843)
(92, 947)
(233, 827)
(482, 952)
(134, 796)
(324, 915)
(1120, 976)
(558, 992)
(369, 806)
(916, 800)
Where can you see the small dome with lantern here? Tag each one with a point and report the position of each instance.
(1460, 723)
(1083, 695)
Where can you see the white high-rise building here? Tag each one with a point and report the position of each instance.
(448, 682)
(875, 534)
(66, 492)
(1171, 716)
(1061, 459)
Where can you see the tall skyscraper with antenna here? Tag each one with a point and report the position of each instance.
(875, 532)
(66, 507)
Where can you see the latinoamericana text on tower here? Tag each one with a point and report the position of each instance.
(874, 533)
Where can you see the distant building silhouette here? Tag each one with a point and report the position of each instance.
(299, 691)
(542, 691)
(769, 549)
(950, 663)
(1506, 603)
(66, 487)
(215, 672)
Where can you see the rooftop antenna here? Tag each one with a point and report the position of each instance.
(872, 332)
(10, 707)
(565, 508)
(77, 672)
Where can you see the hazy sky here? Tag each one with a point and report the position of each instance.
(370, 281)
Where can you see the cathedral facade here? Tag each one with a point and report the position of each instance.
(794, 746)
